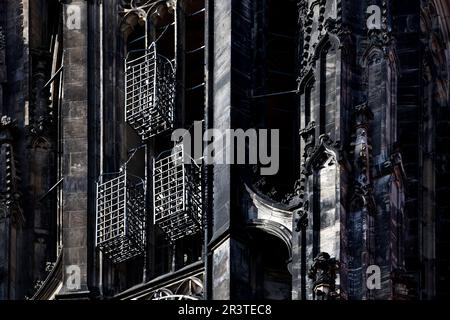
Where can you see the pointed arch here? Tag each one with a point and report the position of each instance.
(327, 42)
(328, 63)
(275, 229)
(306, 91)
(40, 143)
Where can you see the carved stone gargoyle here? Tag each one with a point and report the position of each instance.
(323, 273)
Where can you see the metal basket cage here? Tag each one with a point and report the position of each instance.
(177, 195)
(120, 216)
(149, 93)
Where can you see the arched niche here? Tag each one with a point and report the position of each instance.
(325, 201)
(275, 229)
(322, 170)
(269, 250)
(380, 79)
(307, 91)
(327, 64)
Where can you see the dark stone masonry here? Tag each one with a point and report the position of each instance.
(95, 203)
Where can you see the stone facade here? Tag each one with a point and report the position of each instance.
(360, 92)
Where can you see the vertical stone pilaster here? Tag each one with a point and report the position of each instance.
(229, 258)
(221, 173)
(383, 213)
(75, 153)
(362, 207)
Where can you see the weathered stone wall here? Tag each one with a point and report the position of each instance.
(345, 65)
(374, 109)
(434, 204)
(15, 101)
(75, 135)
(323, 83)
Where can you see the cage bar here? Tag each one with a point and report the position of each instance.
(120, 216)
(149, 93)
(177, 195)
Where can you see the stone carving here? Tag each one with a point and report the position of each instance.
(2, 39)
(171, 5)
(362, 151)
(8, 127)
(41, 115)
(308, 135)
(324, 149)
(326, 27)
(379, 39)
(302, 9)
(6, 121)
(37, 285)
(49, 266)
(302, 221)
(323, 274)
(9, 191)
